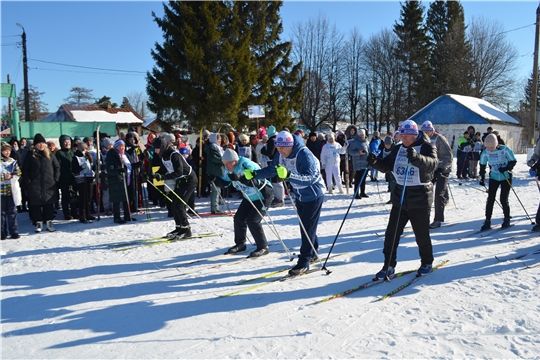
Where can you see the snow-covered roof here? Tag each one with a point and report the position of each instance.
(95, 114)
(483, 109)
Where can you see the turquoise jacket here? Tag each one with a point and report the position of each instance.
(250, 192)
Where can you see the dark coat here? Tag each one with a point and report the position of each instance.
(419, 196)
(65, 158)
(39, 178)
(115, 178)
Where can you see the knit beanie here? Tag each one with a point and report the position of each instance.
(229, 155)
(119, 142)
(38, 139)
(271, 131)
(427, 126)
(388, 140)
(361, 132)
(491, 141)
(284, 138)
(408, 127)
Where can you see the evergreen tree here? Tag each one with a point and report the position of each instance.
(125, 104)
(203, 69)
(413, 54)
(277, 85)
(79, 96)
(528, 94)
(38, 109)
(450, 50)
(104, 102)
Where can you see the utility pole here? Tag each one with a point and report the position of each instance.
(25, 72)
(534, 93)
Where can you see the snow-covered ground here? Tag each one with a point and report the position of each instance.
(69, 295)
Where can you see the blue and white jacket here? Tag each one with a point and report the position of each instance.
(305, 172)
(250, 192)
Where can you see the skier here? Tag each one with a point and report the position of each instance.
(440, 177)
(413, 163)
(358, 150)
(256, 192)
(180, 178)
(501, 160)
(297, 164)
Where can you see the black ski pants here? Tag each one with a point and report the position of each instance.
(247, 217)
(419, 218)
(184, 189)
(441, 197)
(492, 193)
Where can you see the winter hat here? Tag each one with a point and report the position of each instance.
(5, 146)
(330, 135)
(491, 141)
(39, 139)
(340, 133)
(361, 132)
(205, 134)
(284, 138)
(107, 142)
(376, 134)
(119, 142)
(229, 155)
(408, 127)
(427, 126)
(168, 138)
(271, 131)
(87, 139)
(157, 143)
(184, 150)
(314, 133)
(214, 138)
(243, 137)
(388, 140)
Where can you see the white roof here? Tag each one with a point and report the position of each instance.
(98, 115)
(483, 108)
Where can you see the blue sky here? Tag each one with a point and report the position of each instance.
(119, 35)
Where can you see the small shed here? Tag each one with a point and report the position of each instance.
(452, 114)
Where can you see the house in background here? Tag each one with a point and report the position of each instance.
(451, 115)
(123, 118)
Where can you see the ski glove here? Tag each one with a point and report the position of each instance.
(502, 169)
(371, 159)
(282, 172)
(249, 174)
(411, 154)
(156, 176)
(234, 177)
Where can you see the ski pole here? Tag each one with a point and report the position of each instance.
(221, 197)
(125, 190)
(193, 211)
(272, 228)
(302, 224)
(511, 187)
(537, 183)
(342, 222)
(158, 189)
(386, 278)
(450, 191)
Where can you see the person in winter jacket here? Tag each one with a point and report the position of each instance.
(66, 184)
(330, 161)
(358, 150)
(214, 168)
(465, 146)
(180, 181)
(535, 169)
(413, 163)
(297, 164)
(314, 145)
(269, 151)
(10, 192)
(118, 173)
(256, 194)
(81, 167)
(501, 160)
(136, 157)
(389, 177)
(245, 149)
(441, 174)
(40, 174)
(374, 147)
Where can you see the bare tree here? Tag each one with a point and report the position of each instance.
(79, 96)
(493, 61)
(334, 78)
(386, 80)
(353, 52)
(138, 100)
(312, 44)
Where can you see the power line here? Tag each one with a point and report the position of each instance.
(85, 72)
(88, 67)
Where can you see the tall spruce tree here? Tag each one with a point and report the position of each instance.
(217, 58)
(278, 85)
(450, 50)
(204, 67)
(413, 54)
